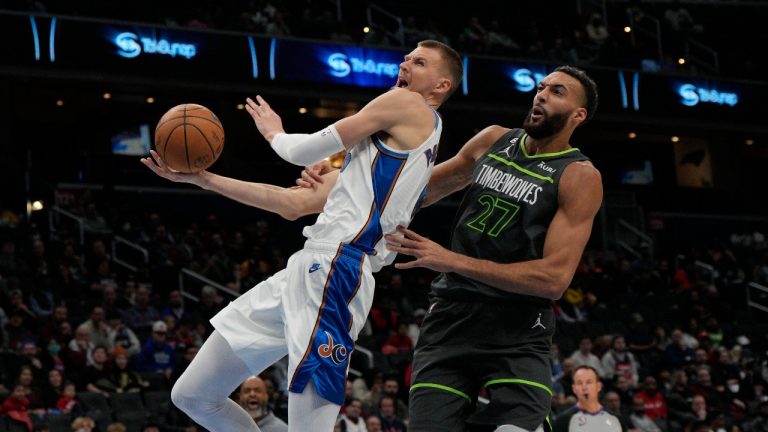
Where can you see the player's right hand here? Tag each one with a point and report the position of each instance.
(156, 164)
(266, 119)
(312, 175)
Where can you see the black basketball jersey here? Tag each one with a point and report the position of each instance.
(506, 212)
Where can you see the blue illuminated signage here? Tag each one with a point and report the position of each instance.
(691, 95)
(342, 65)
(131, 45)
(526, 79)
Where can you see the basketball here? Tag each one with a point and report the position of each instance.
(189, 138)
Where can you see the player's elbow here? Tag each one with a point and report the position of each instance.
(558, 287)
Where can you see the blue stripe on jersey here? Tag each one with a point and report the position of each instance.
(385, 171)
(437, 118)
(331, 345)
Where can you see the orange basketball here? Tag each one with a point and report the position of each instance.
(189, 138)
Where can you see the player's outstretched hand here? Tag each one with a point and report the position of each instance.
(156, 164)
(428, 254)
(266, 119)
(312, 176)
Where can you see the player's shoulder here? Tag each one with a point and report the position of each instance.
(404, 100)
(494, 132)
(582, 172)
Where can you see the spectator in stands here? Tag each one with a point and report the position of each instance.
(122, 377)
(389, 421)
(189, 354)
(79, 353)
(96, 377)
(703, 385)
(176, 307)
(723, 370)
(10, 264)
(639, 417)
(373, 424)
(210, 304)
(350, 420)
(98, 330)
(111, 302)
(42, 300)
(566, 380)
(619, 362)
(612, 402)
(759, 424)
(53, 389)
(653, 400)
(254, 398)
(157, 355)
(398, 342)
(50, 329)
(121, 337)
(30, 354)
(142, 315)
(83, 424)
(583, 356)
(16, 406)
(677, 353)
(67, 402)
(678, 397)
(414, 328)
(117, 427)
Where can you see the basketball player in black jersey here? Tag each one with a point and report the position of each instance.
(519, 234)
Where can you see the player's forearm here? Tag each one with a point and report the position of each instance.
(532, 278)
(267, 197)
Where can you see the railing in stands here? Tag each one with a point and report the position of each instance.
(117, 240)
(398, 34)
(702, 55)
(194, 275)
(648, 26)
(763, 295)
(56, 212)
(707, 269)
(625, 230)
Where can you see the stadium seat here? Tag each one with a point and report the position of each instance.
(96, 407)
(128, 407)
(59, 422)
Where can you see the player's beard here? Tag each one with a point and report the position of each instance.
(549, 125)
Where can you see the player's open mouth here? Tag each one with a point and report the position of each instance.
(253, 404)
(401, 83)
(537, 113)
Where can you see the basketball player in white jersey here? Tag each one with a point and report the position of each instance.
(313, 310)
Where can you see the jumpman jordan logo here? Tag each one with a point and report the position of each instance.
(506, 151)
(538, 323)
(337, 353)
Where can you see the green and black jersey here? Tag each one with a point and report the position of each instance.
(506, 212)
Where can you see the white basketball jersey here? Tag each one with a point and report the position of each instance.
(378, 189)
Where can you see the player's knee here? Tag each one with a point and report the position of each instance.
(178, 397)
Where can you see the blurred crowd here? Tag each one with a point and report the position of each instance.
(559, 32)
(676, 347)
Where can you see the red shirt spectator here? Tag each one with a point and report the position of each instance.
(653, 400)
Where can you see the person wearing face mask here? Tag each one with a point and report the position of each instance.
(588, 415)
(734, 405)
(254, 399)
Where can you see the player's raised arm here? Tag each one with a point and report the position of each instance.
(456, 173)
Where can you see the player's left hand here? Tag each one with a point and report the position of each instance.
(266, 119)
(428, 253)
